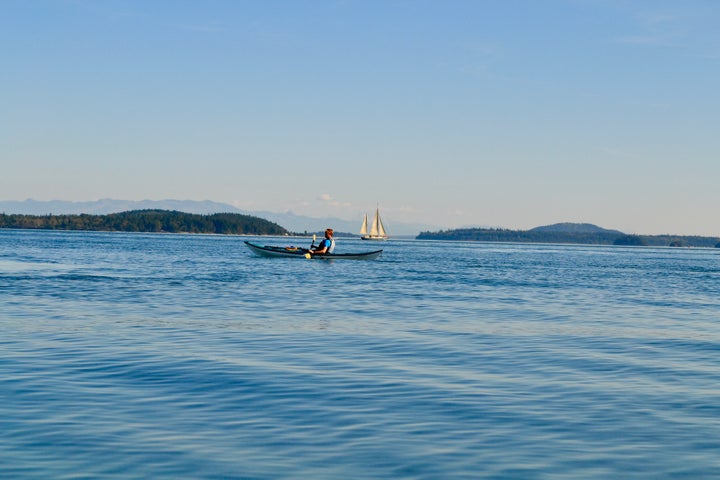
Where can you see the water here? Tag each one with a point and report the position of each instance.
(127, 356)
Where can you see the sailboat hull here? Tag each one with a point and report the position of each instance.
(371, 237)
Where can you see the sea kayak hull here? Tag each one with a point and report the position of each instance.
(295, 252)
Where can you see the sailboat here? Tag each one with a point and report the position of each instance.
(377, 231)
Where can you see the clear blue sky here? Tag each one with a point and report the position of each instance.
(512, 113)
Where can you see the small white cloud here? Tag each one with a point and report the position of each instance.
(329, 201)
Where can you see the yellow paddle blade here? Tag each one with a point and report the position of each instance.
(307, 255)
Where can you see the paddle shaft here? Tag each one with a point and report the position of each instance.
(308, 255)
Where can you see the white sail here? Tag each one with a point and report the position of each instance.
(380, 228)
(363, 228)
(375, 228)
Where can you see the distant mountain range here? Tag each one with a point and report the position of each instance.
(292, 222)
(106, 205)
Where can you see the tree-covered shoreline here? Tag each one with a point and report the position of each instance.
(569, 233)
(151, 221)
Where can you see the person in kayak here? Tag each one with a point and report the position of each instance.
(327, 244)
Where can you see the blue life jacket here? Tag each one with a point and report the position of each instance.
(330, 244)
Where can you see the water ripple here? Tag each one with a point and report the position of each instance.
(180, 356)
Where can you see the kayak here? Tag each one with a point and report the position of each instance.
(297, 252)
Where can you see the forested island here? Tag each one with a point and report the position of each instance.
(575, 233)
(148, 221)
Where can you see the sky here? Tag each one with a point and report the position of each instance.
(455, 113)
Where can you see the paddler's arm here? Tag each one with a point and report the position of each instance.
(318, 251)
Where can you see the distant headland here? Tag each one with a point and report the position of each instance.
(576, 233)
(153, 221)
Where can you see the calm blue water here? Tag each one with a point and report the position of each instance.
(129, 356)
